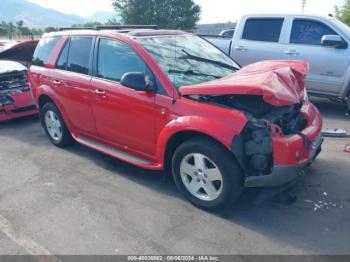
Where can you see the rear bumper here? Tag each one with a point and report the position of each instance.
(292, 154)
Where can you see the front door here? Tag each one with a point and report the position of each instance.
(327, 65)
(123, 116)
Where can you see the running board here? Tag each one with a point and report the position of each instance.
(111, 151)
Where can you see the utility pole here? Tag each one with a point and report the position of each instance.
(303, 4)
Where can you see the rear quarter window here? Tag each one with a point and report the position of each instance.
(43, 50)
(263, 29)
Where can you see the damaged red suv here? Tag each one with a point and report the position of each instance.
(169, 100)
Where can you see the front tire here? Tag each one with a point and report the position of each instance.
(207, 174)
(54, 125)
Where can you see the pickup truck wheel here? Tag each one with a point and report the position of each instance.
(54, 125)
(207, 174)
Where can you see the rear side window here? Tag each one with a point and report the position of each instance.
(115, 59)
(263, 29)
(309, 32)
(43, 50)
(79, 54)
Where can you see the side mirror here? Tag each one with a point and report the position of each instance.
(334, 41)
(137, 81)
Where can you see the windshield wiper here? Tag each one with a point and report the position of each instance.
(207, 60)
(192, 72)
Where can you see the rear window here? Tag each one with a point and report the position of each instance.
(43, 50)
(263, 29)
(79, 54)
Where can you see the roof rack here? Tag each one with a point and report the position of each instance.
(75, 28)
(110, 27)
(121, 27)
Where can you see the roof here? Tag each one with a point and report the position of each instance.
(291, 14)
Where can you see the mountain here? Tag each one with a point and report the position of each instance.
(36, 16)
(101, 16)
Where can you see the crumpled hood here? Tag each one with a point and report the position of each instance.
(279, 82)
(18, 51)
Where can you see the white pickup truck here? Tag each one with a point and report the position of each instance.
(323, 41)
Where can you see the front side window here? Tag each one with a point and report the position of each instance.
(43, 50)
(188, 59)
(263, 29)
(115, 59)
(79, 54)
(309, 32)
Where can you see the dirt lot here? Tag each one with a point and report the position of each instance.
(77, 201)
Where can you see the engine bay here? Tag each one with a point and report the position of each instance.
(253, 148)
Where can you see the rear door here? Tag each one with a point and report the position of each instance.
(258, 39)
(327, 65)
(71, 82)
(124, 116)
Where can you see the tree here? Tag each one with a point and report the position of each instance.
(50, 29)
(343, 12)
(172, 14)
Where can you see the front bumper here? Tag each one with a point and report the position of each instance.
(292, 154)
(21, 105)
(284, 174)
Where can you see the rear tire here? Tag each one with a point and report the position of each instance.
(207, 174)
(54, 125)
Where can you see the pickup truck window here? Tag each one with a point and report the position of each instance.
(309, 32)
(79, 54)
(263, 29)
(115, 59)
(188, 59)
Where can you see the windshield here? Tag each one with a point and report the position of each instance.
(188, 59)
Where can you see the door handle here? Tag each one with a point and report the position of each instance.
(100, 92)
(240, 48)
(56, 82)
(291, 52)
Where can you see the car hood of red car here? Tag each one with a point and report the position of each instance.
(18, 51)
(279, 82)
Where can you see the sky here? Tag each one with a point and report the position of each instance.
(213, 11)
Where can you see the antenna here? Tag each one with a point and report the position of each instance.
(303, 5)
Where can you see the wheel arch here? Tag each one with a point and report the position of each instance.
(176, 133)
(43, 99)
(48, 97)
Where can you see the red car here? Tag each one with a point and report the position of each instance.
(16, 99)
(169, 100)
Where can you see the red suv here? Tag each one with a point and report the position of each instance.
(169, 100)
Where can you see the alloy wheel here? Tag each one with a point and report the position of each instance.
(53, 125)
(201, 176)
